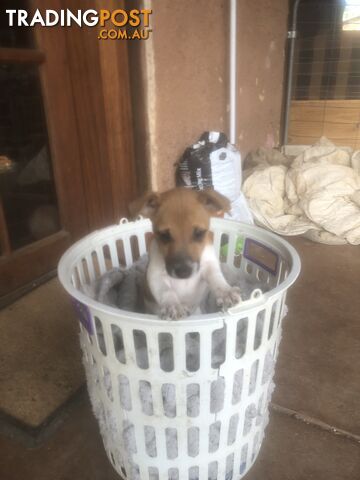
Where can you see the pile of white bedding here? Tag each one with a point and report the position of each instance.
(316, 194)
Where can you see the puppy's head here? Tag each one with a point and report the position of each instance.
(181, 219)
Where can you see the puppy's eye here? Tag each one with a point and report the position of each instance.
(199, 234)
(164, 236)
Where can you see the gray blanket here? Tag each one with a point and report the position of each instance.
(123, 287)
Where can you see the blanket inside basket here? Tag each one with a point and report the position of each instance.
(123, 287)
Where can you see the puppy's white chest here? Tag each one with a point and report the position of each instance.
(190, 291)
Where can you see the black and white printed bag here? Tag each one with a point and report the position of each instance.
(213, 162)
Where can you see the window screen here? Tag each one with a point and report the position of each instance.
(326, 73)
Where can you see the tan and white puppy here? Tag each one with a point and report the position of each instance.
(182, 261)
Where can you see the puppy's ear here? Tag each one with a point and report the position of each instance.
(146, 205)
(213, 201)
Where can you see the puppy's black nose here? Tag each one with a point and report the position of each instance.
(182, 270)
(180, 266)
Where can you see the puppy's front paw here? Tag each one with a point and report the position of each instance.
(173, 311)
(228, 297)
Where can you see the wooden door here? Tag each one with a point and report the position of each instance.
(66, 158)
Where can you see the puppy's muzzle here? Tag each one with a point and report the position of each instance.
(181, 266)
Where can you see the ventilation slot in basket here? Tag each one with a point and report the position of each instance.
(262, 276)
(243, 458)
(166, 352)
(229, 467)
(255, 446)
(237, 386)
(260, 318)
(148, 239)
(233, 426)
(192, 342)
(218, 347)
(108, 383)
(168, 392)
(75, 278)
(118, 343)
(193, 435)
(146, 397)
(268, 368)
(123, 471)
(272, 319)
(249, 268)
(193, 473)
(171, 443)
(217, 392)
(241, 336)
(153, 473)
(141, 351)
(213, 471)
(238, 251)
(107, 257)
(173, 474)
(100, 335)
(134, 242)
(150, 441)
(193, 399)
(134, 471)
(120, 253)
(129, 437)
(214, 436)
(259, 415)
(98, 271)
(84, 273)
(124, 392)
(224, 246)
(250, 414)
(253, 376)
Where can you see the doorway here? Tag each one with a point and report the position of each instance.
(66, 152)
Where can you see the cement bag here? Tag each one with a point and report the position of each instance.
(213, 162)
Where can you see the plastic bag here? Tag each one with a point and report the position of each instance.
(213, 162)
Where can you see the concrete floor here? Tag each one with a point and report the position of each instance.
(318, 371)
(292, 450)
(40, 366)
(314, 432)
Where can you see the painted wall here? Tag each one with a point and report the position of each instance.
(180, 79)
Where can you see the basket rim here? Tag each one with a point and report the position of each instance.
(74, 252)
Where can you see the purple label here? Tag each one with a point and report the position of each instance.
(261, 255)
(84, 315)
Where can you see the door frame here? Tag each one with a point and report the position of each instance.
(25, 264)
(86, 94)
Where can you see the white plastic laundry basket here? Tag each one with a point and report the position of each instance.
(186, 399)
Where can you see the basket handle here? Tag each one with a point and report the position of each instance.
(256, 297)
(124, 220)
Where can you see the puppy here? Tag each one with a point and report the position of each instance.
(182, 261)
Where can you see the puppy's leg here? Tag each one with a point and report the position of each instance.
(170, 308)
(165, 301)
(225, 295)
